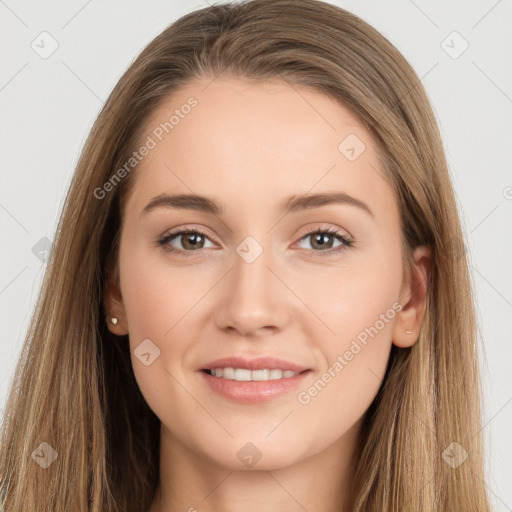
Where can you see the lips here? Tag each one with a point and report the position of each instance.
(260, 363)
(254, 392)
(249, 391)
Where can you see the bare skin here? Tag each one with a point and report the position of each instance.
(249, 147)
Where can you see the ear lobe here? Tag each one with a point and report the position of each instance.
(114, 308)
(413, 298)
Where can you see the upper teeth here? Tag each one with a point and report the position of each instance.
(243, 374)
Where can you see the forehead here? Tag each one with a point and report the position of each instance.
(260, 140)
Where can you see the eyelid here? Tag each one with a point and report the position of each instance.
(335, 230)
(175, 233)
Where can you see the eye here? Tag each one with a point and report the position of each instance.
(321, 241)
(193, 241)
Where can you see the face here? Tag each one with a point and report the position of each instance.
(316, 290)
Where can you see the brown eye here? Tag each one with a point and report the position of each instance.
(191, 240)
(322, 240)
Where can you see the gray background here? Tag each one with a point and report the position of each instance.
(48, 106)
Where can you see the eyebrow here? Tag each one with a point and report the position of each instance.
(290, 205)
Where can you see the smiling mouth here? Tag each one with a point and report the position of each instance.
(245, 386)
(243, 374)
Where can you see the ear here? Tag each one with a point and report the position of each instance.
(114, 307)
(413, 299)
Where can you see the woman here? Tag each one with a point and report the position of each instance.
(198, 344)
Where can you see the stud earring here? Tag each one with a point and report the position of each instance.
(114, 320)
(408, 332)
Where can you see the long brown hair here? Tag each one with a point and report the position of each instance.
(74, 387)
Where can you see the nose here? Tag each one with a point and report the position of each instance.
(253, 297)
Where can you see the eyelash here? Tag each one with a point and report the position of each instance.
(347, 243)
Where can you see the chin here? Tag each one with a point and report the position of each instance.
(242, 454)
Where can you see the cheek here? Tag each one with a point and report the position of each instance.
(157, 296)
(159, 303)
(349, 299)
(356, 307)
(355, 357)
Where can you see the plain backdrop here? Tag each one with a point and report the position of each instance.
(459, 49)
